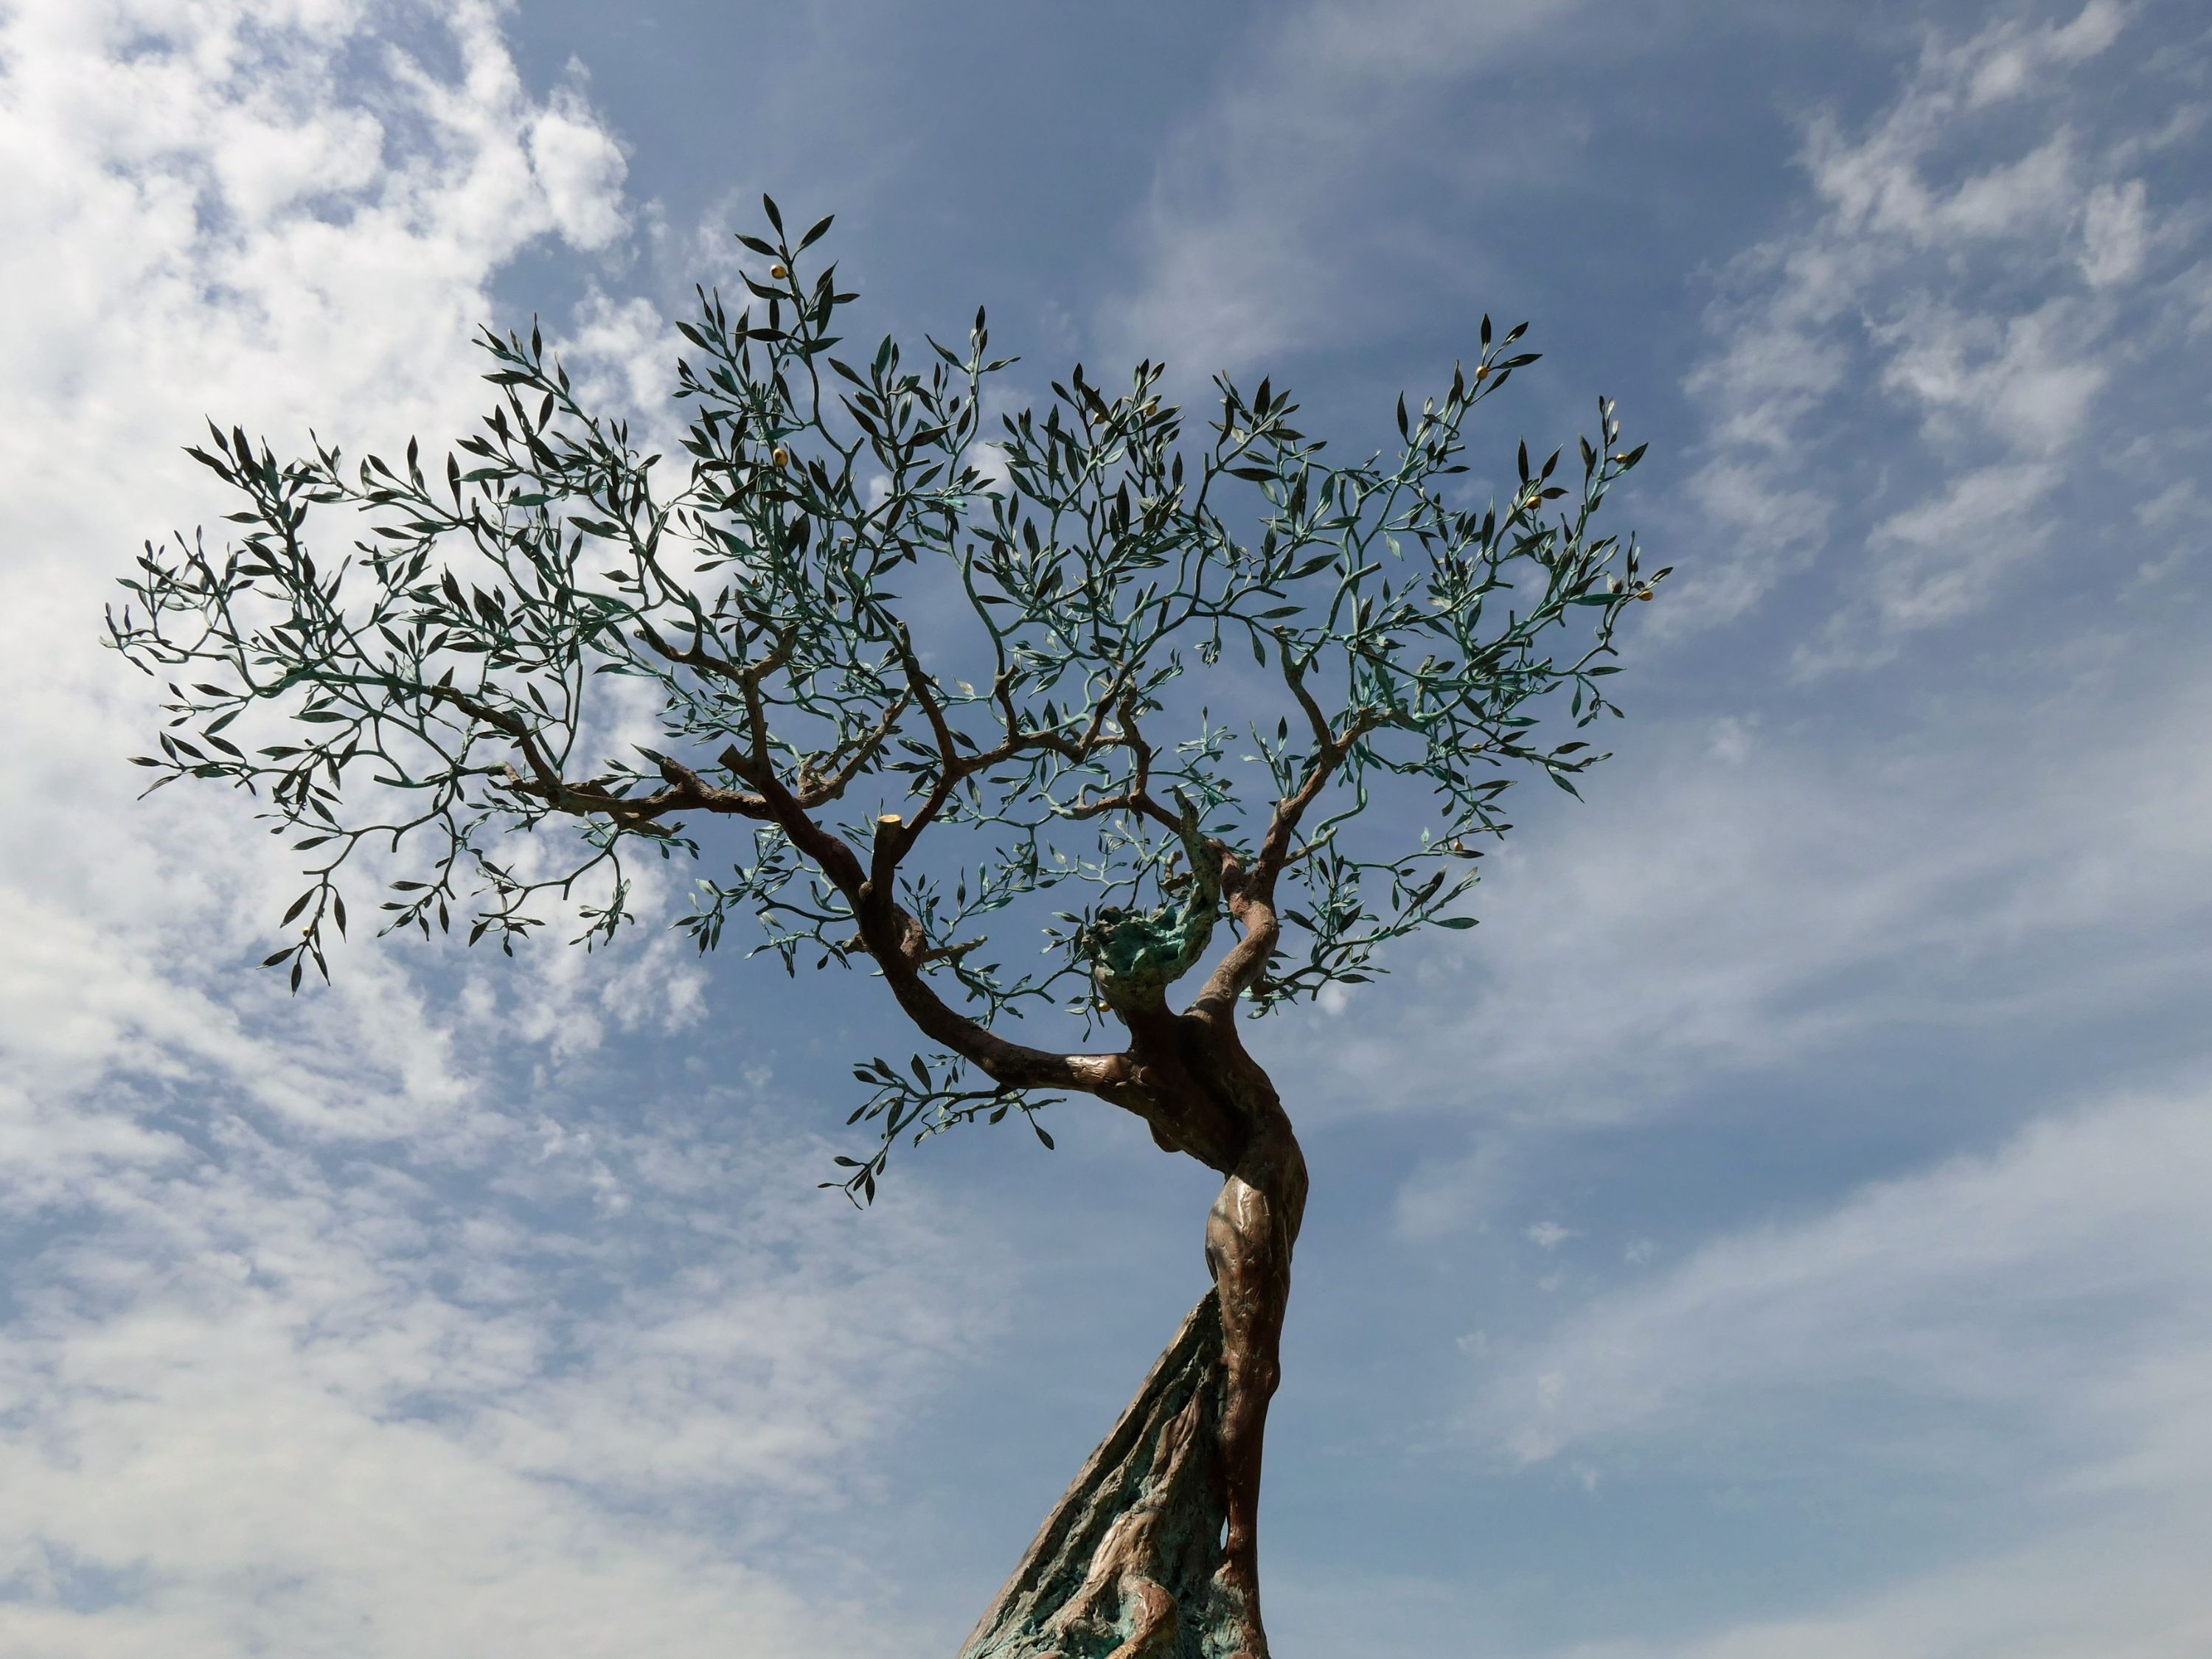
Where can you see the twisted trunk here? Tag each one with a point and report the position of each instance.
(1153, 1550)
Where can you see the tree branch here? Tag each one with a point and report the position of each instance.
(1251, 894)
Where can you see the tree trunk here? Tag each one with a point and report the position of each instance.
(1153, 1550)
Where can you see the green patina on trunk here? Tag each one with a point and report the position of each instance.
(1125, 1565)
(1138, 954)
(1419, 637)
(1135, 955)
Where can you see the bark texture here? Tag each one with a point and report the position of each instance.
(1153, 1550)
(1125, 1567)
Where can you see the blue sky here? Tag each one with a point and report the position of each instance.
(1777, 1229)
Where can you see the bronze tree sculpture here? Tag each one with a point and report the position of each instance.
(1376, 644)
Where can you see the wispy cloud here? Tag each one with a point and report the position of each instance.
(1975, 1283)
(1992, 290)
(270, 1397)
(320, 1335)
(376, 1323)
(1243, 247)
(1745, 897)
(2039, 1313)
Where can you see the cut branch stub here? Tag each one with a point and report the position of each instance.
(1125, 1566)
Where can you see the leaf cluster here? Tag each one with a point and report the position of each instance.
(847, 615)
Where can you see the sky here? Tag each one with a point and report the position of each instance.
(1778, 1228)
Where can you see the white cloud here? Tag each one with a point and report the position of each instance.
(1939, 557)
(2033, 1279)
(170, 259)
(2043, 1305)
(1241, 247)
(185, 243)
(271, 1386)
(580, 168)
(2022, 380)
(2112, 232)
(1876, 187)
(1707, 914)
(2007, 65)
(293, 1408)
(1999, 294)
(1444, 1195)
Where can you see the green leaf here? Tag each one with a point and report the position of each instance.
(1128, 587)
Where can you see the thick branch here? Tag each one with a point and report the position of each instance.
(513, 725)
(1251, 893)
(1247, 958)
(1138, 797)
(882, 927)
(894, 846)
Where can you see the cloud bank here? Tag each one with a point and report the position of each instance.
(348, 1326)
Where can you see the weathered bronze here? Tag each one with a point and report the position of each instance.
(442, 688)
(1129, 1561)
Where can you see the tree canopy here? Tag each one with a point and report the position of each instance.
(1126, 673)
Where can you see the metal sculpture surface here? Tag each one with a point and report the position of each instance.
(799, 597)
